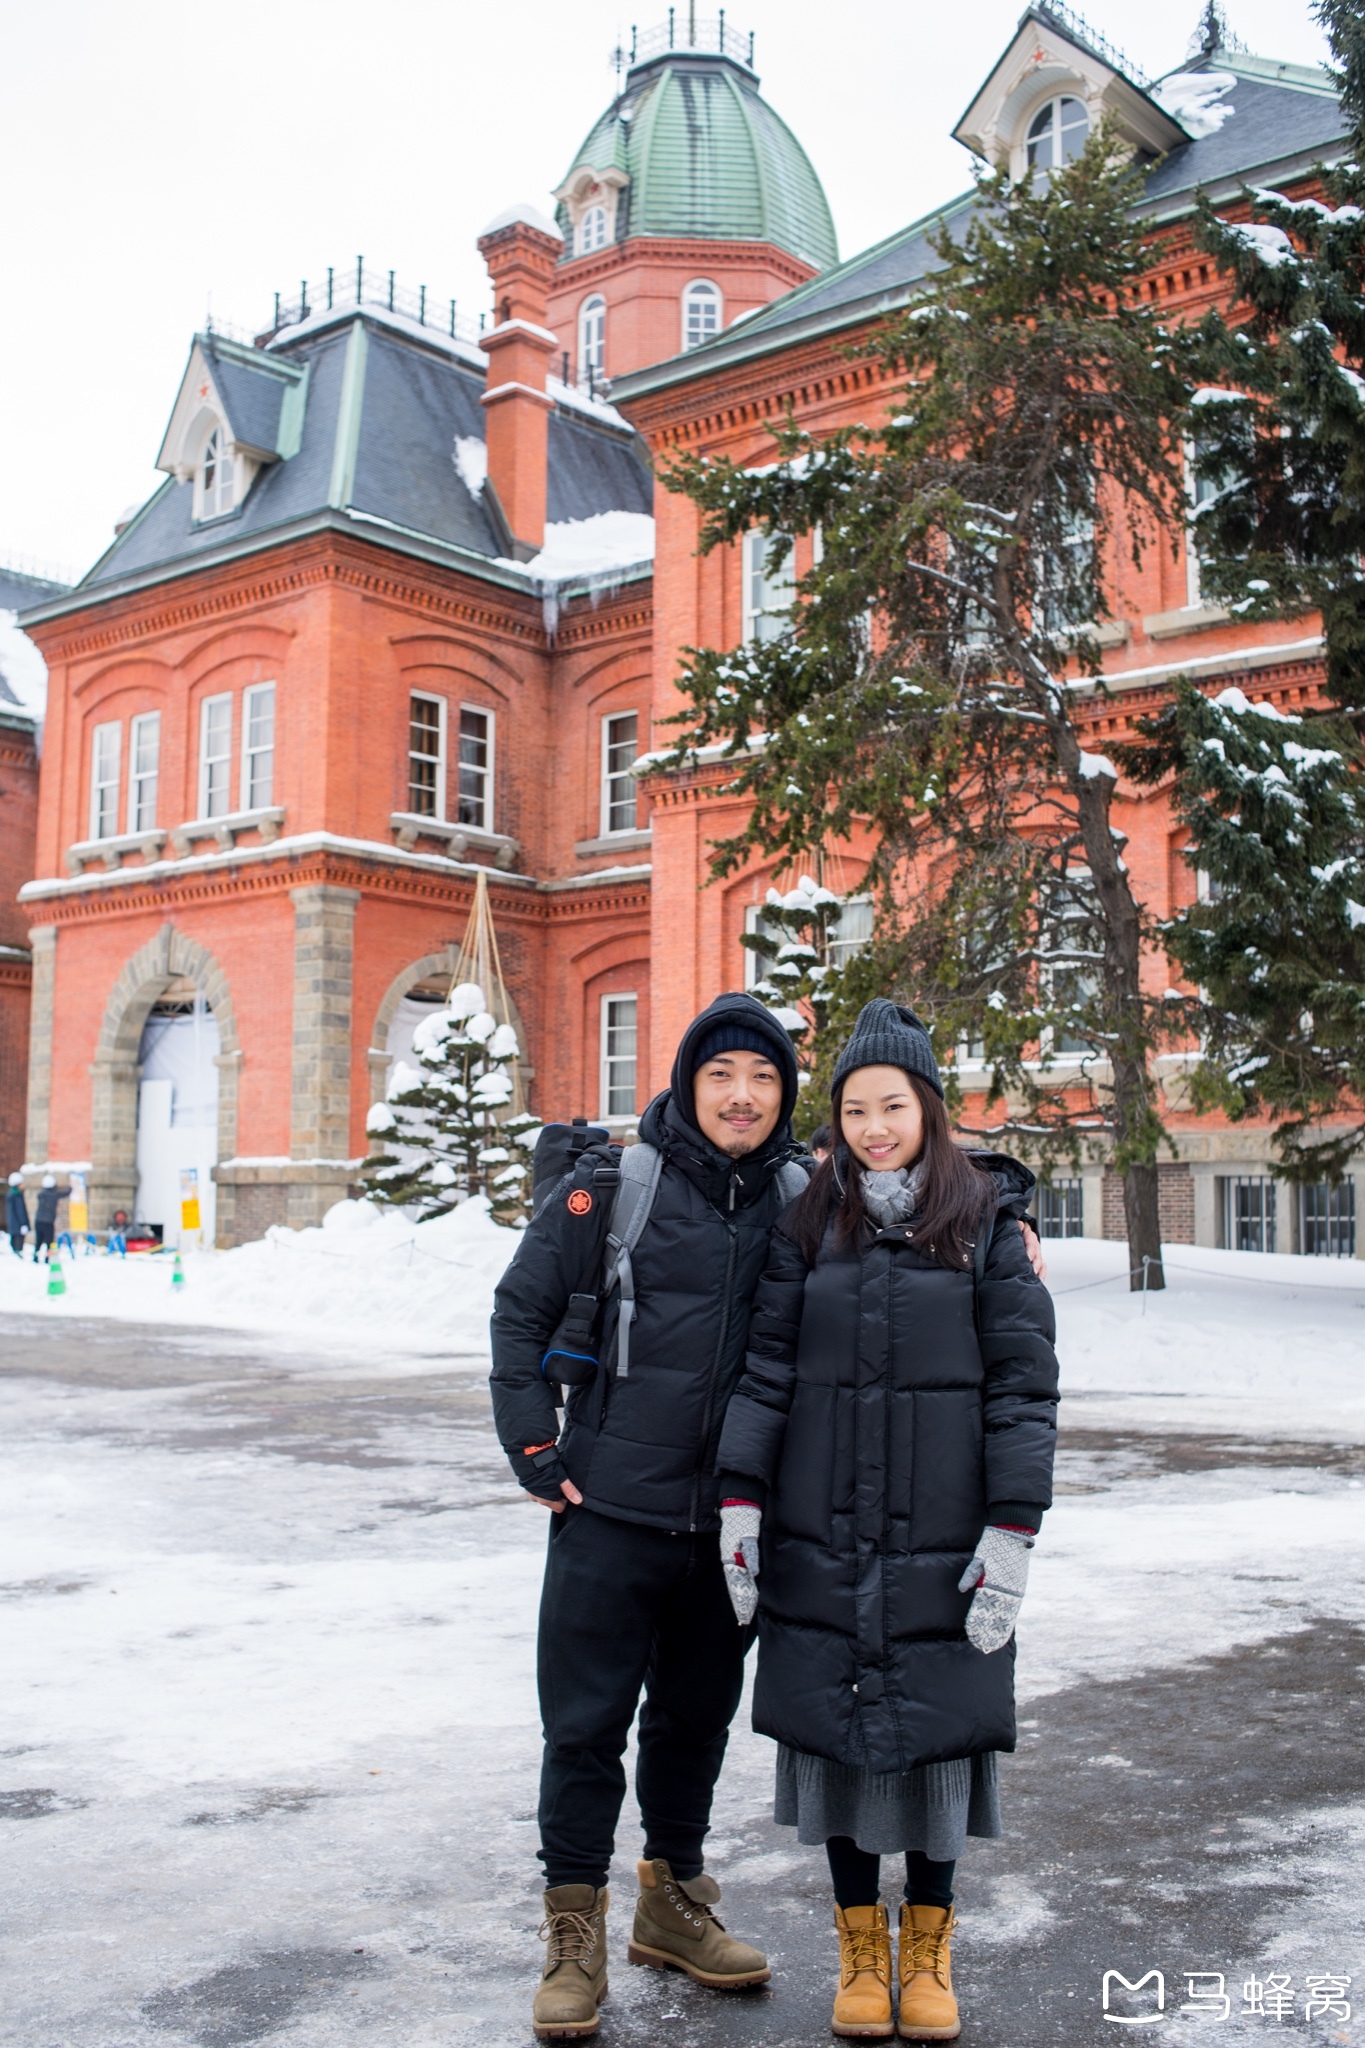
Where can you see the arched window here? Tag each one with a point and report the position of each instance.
(215, 476)
(592, 230)
(701, 313)
(592, 341)
(1056, 134)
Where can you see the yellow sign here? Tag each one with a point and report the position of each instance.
(78, 1207)
(189, 1198)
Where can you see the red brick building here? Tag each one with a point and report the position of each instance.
(397, 614)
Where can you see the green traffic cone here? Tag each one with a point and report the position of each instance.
(56, 1279)
(177, 1273)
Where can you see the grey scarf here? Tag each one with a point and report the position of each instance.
(891, 1197)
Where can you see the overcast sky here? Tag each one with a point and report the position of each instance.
(160, 158)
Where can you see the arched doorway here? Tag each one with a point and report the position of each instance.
(177, 1109)
(172, 978)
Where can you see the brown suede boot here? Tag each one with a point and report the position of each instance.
(574, 1981)
(862, 2004)
(928, 2008)
(675, 1929)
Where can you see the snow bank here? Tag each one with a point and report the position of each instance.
(368, 1279)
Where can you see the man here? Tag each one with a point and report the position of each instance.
(634, 1593)
(16, 1214)
(45, 1217)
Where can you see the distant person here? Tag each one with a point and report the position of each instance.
(45, 1217)
(118, 1235)
(16, 1214)
(820, 1145)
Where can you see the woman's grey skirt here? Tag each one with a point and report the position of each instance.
(932, 1809)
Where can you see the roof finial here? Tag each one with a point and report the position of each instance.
(1212, 32)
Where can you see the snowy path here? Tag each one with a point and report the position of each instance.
(268, 1744)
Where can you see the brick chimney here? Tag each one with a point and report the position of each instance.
(521, 249)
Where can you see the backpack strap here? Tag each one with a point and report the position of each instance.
(641, 1166)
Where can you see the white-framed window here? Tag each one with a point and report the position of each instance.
(701, 311)
(620, 751)
(758, 962)
(144, 756)
(849, 936)
(426, 755)
(619, 1039)
(258, 746)
(105, 742)
(1199, 489)
(215, 757)
(592, 340)
(1249, 1213)
(215, 475)
(768, 590)
(1061, 1209)
(853, 931)
(1057, 134)
(476, 768)
(592, 230)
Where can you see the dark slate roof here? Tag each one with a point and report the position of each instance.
(1277, 121)
(1283, 122)
(387, 457)
(592, 472)
(252, 393)
(18, 591)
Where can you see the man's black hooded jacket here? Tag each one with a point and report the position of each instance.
(641, 1449)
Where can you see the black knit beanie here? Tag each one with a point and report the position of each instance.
(732, 1036)
(886, 1035)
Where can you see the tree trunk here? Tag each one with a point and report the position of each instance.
(1144, 1227)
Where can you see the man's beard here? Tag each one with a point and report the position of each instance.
(740, 1147)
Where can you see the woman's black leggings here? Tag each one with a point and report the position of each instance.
(858, 1876)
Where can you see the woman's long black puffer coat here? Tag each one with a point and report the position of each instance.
(891, 1406)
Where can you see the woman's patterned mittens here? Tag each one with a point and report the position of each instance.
(999, 1572)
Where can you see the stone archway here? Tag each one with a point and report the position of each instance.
(114, 1070)
(431, 966)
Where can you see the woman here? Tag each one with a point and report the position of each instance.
(892, 1439)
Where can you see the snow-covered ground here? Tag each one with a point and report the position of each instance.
(268, 1623)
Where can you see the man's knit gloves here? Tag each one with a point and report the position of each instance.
(740, 1522)
(999, 1571)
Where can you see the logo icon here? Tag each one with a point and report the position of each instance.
(1112, 1978)
(580, 1201)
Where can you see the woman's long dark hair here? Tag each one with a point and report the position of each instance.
(958, 1200)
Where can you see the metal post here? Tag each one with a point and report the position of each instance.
(329, 287)
(452, 319)
(670, 28)
(565, 378)
(359, 279)
(421, 305)
(277, 310)
(751, 49)
(1146, 1262)
(632, 43)
(303, 298)
(390, 291)
(691, 24)
(722, 31)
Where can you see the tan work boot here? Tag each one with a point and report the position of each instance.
(862, 2004)
(574, 1981)
(928, 2008)
(675, 1929)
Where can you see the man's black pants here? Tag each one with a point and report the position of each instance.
(626, 1607)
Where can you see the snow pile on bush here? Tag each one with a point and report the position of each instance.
(367, 1278)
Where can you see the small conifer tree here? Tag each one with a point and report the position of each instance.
(443, 1134)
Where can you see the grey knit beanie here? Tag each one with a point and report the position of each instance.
(886, 1035)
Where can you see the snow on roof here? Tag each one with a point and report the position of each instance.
(1195, 99)
(342, 316)
(591, 547)
(575, 400)
(532, 216)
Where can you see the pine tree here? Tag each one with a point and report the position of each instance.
(918, 694)
(1273, 804)
(443, 1127)
(797, 943)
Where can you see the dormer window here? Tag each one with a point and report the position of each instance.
(592, 230)
(701, 313)
(1057, 134)
(215, 476)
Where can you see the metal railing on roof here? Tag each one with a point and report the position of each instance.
(358, 284)
(684, 31)
(1079, 28)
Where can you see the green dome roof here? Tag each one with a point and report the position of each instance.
(707, 157)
